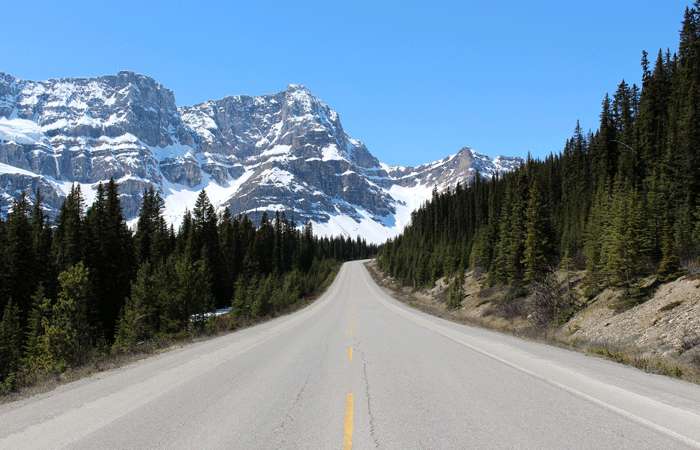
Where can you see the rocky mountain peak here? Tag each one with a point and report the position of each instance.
(278, 152)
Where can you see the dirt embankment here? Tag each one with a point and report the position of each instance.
(660, 335)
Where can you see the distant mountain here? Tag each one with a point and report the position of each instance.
(280, 152)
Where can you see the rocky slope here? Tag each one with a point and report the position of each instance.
(280, 152)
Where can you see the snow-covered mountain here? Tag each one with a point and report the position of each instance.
(280, 152)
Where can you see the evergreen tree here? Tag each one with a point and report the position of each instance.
(10, 346)
(68, 235)
(43, 236)
(669, 268)
(456, 296)
(19, 279)
(66, 335)
(139, 320)
(109, 256)
(151, 237)
(538, 250)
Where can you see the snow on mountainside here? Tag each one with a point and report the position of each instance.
(279, 152)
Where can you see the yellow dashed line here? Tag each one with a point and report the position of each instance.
(347, 435)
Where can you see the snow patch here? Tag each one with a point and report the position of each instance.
(21, 131)
(331, 153)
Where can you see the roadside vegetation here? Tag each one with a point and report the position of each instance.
(85, 293)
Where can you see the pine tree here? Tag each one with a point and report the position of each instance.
(66, 335)
(456, 296)
(538, 252)
(10, 346)
(19, 279)
(68, 237)
(109, 256)
(43, 236)
(35, 329)
(669, 268)
(139, 320)
(151, 231)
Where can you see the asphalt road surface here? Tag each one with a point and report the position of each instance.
(357, 369)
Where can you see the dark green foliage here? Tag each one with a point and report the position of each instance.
(454, 301)
(68, 235)
(151, 237)
(19, 278)
(538, 253)
(10, 346)
(109, 256)
(64, 335)
(72, 291)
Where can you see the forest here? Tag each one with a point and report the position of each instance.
(86, 286)
(621, 203)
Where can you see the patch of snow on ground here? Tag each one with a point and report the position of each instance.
(21, 131)
(377, 230)
(174, 151)
(5, 168)
(179, 198)
(276, 150)
(276, 177)
(332, 153)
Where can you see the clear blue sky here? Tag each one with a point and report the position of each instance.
(415, 81)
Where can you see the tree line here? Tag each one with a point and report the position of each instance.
(621, 202)
(86, 284)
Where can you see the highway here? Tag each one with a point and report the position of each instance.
(359, 370)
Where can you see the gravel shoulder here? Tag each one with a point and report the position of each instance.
(660, 335)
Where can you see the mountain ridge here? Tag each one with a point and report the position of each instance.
(276, 152)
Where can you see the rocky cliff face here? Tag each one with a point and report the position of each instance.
(286, 151)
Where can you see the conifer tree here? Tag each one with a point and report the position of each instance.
(669, 268)
(109, 256)
(43, 236)
(66, 333)
(10, 346)
(151, 231)
(139, 320)
(456, 295)
(538, 251)
(35, 329)
(19, 279)
(68, 236)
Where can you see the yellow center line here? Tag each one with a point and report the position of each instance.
(350, 354)
(347, 435)
(351, 332)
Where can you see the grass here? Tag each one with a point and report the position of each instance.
(651, 366)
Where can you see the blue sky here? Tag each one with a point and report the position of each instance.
(415, 81)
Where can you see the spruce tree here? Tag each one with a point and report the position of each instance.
(538, 251)
(68, 236)
(19, 279)
(150, 239)
(669, 268)
(10, 346)
(66, 336)
(110, 256)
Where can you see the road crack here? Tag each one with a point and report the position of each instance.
(368, 396)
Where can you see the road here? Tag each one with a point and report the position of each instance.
(357, 369)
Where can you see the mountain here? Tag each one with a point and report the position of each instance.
(279, 152)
